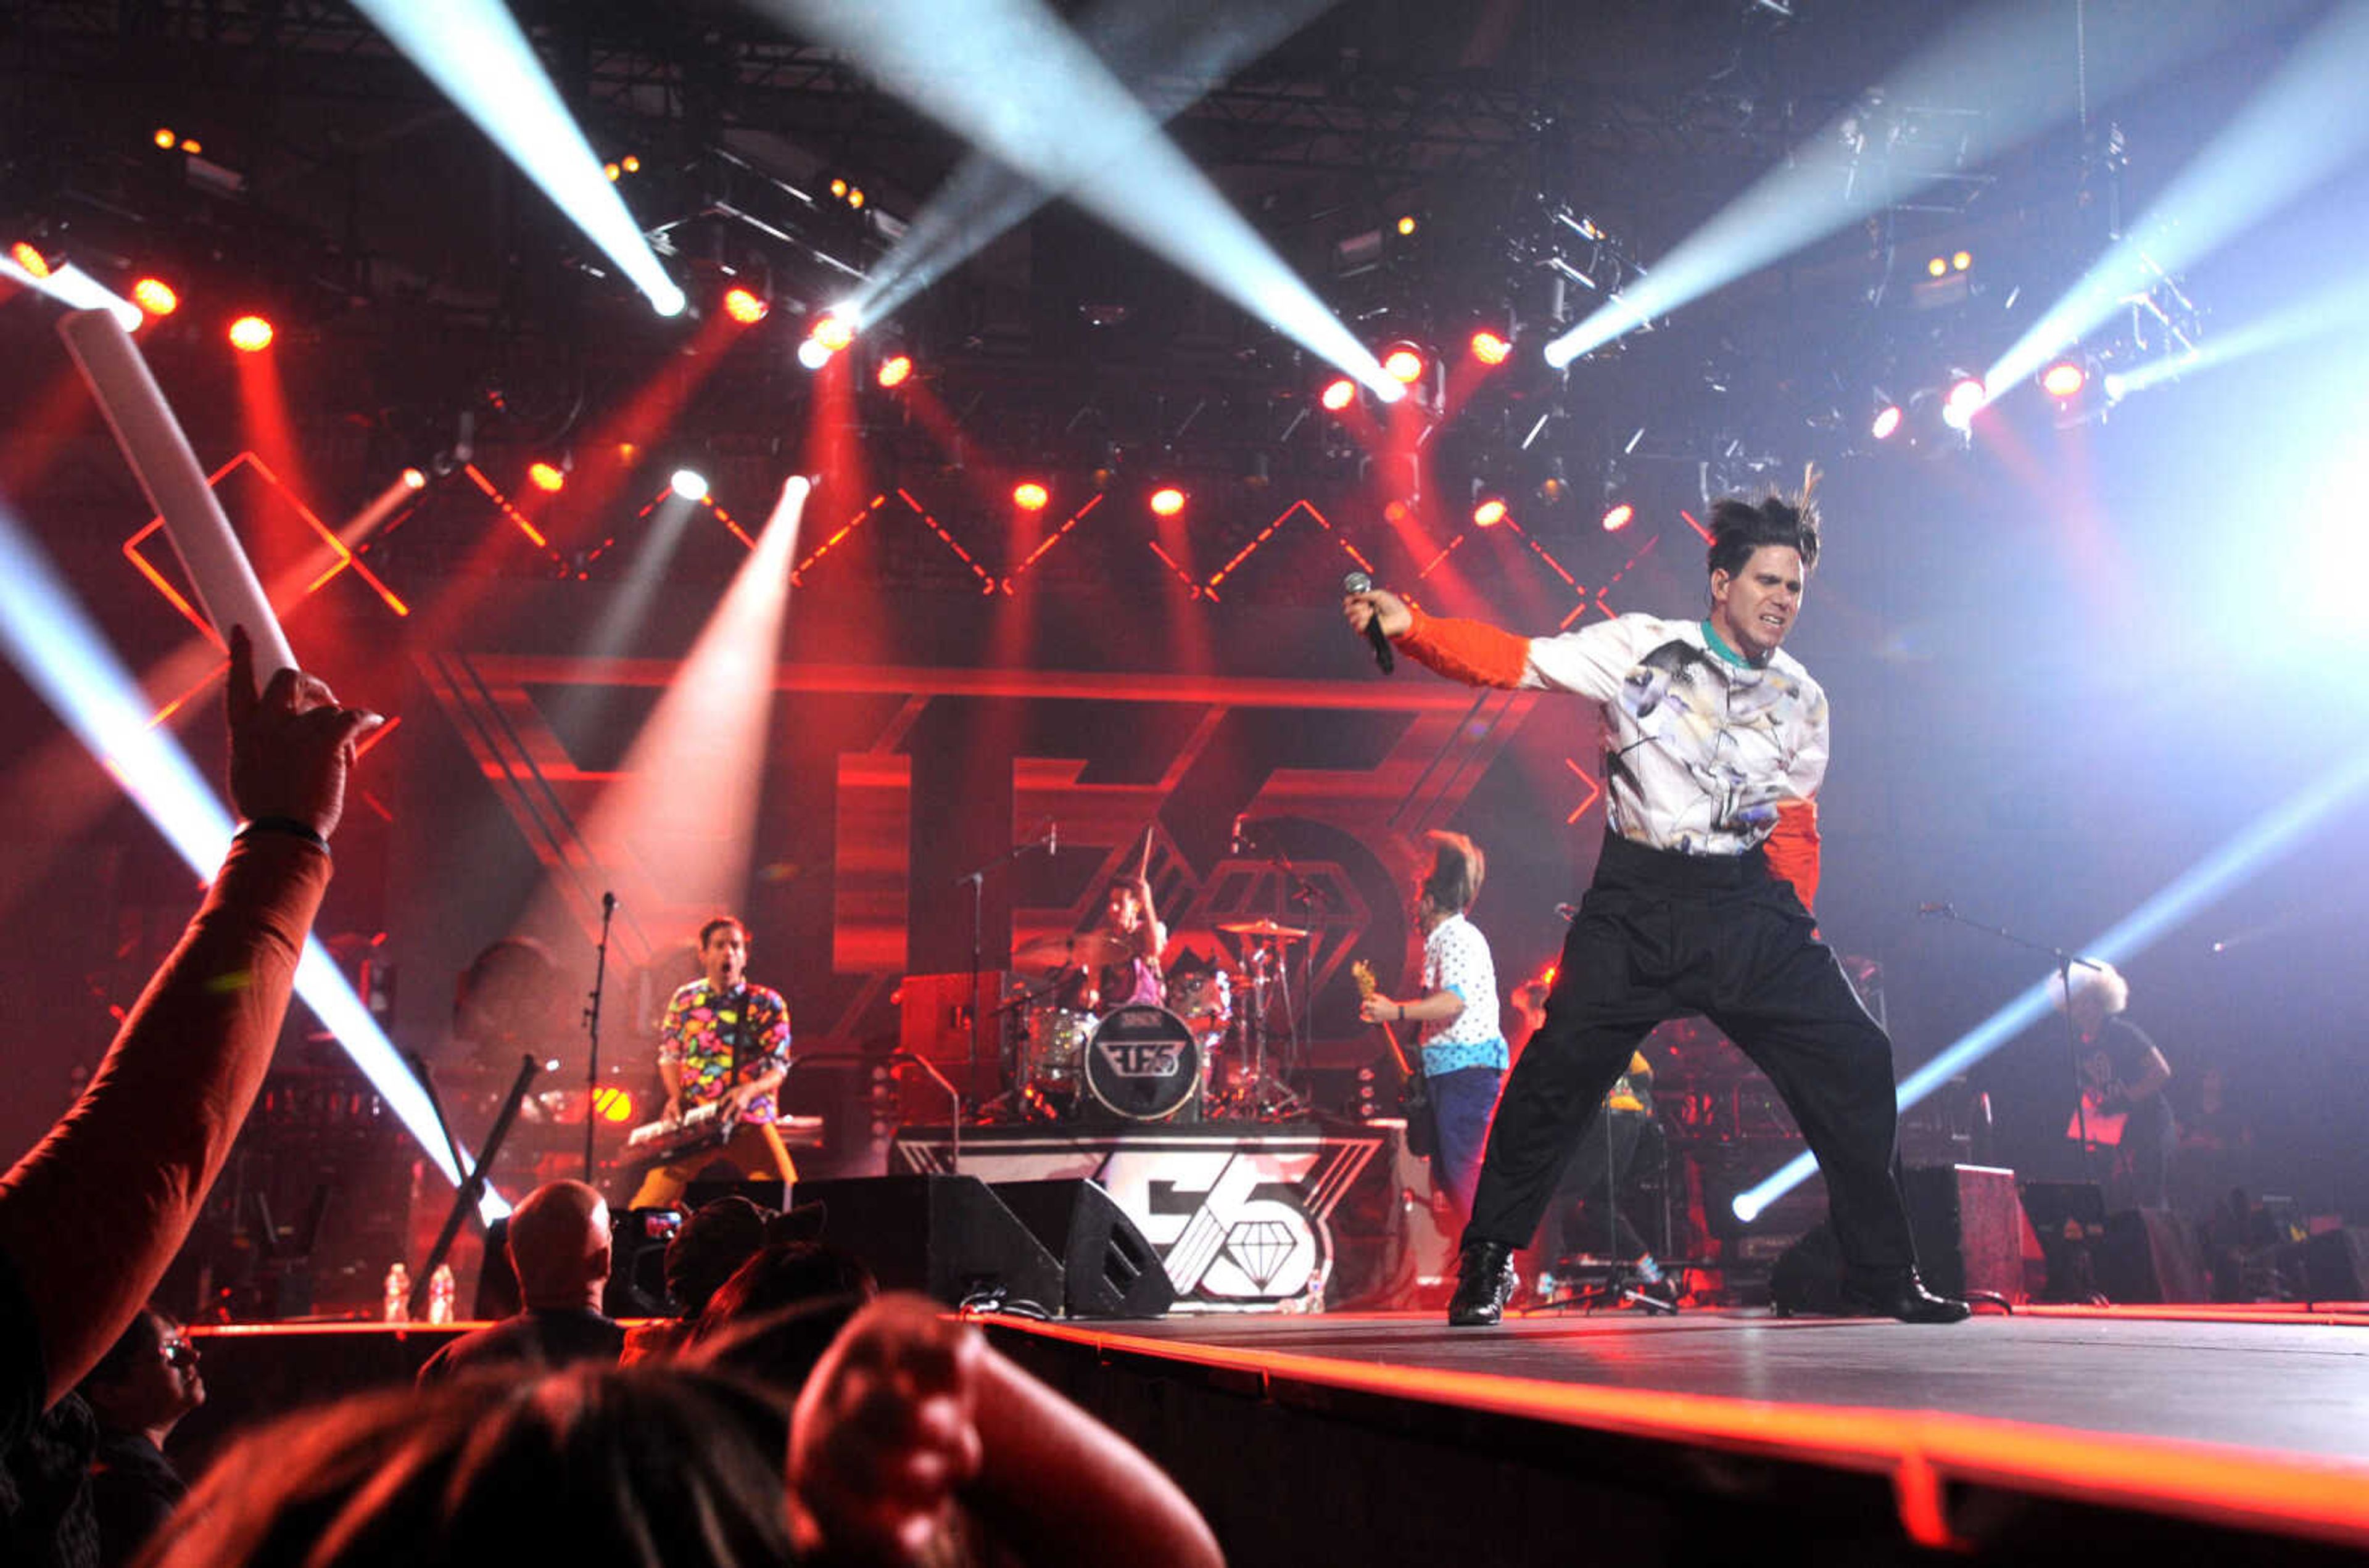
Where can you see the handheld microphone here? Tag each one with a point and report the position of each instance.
(1384, 655)
(608, 903)
(1937, 908)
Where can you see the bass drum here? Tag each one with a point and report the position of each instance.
(1143, 1063)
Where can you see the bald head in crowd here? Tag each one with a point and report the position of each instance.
(559, 1246)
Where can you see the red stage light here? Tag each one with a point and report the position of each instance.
(1397, 511)
(29, 258)
(896, 370)
(1619, 518)
(1490, 348)
(250, 335)
(1407, 224)
(545, 477)
(165, 139)
(1402, 362)
(834, 332)
(1167, 502)
(744, 308)
(2066, 378)
(1489, 513)
(612, 171)
(414, 479)
(155, 296)
(1029, 495)
(1339, 394)
(192, 146)
(1887, 419)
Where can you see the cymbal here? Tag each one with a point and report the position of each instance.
(1264, 928)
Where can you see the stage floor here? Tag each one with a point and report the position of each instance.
(2255, 1422)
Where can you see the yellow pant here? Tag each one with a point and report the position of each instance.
(755, 1150)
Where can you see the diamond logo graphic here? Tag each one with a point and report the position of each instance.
(1259, 1248)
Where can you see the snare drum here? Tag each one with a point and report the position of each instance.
(1054, 1052)
(1143, 1063)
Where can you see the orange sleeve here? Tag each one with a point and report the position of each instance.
(1471, 651)
(1794, 848)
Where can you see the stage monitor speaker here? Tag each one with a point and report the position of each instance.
(2152, 1254)
(2336, 1266)
(947, 1237)
(1969, 1229)
(765, 1191)
(1108, 1270)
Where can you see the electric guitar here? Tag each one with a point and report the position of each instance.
(1414, 1100)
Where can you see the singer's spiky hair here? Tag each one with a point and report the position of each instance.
(721, 923)
(1739, 527)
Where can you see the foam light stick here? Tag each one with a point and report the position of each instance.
(167, 470)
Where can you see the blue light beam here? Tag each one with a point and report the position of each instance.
(474, 51)
(2263, 839)
(1996, 57)
(61, 655)
(983, 199)
(2302, 126)
(1009, 76)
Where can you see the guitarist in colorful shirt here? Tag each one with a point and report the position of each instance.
(723, 1038)
(1464, 1051)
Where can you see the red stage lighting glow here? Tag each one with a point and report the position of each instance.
(1965, 400)
(1887, 419)
(2066, 378)
(415, 479)
(1167, 502)
(1029, 495)
(1490, 348)
(24, 256)
(1339, 393)
(545, 477)
(1619, 518)
(155, 296)
(744, 308)
(192, 146)
(165, 139)
(1402, 362)
(834, 332)
(250, 335)
(1489, 513)
(894, 370)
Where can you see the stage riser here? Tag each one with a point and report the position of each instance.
(1291, 1474)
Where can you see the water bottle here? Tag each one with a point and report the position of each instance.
(440, 1294)
(398, 1295)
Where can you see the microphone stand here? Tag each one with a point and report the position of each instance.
(1050, 841)
(2064, 962)
(592, 1028)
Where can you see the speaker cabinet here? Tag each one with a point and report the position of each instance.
(1108, 1269)
(1969, 1228)
(948, 1236)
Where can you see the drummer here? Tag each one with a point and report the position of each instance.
(1123, 955)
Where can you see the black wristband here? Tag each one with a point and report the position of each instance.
(288, 825)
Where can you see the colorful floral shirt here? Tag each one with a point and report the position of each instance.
(697, 1035)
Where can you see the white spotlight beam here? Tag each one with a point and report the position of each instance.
(983, 199)
(61, 656)
(1998, 57)
(72, 287)
(1010, 77)
(474, 51)
(2260, 842)
(2302, 126)
(2343, 310)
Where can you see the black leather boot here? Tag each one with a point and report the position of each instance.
(1904, 1296)
(1484, 1283)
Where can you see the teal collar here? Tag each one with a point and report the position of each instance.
(1712, 641)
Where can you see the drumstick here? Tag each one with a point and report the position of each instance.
(167, 470)
(1143, 861)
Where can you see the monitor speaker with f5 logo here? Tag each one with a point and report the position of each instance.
(947, 1237)
(1110, 1271)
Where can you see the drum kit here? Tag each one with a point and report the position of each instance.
(1207, 1052)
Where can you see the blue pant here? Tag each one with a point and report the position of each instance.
(1461, 1103)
